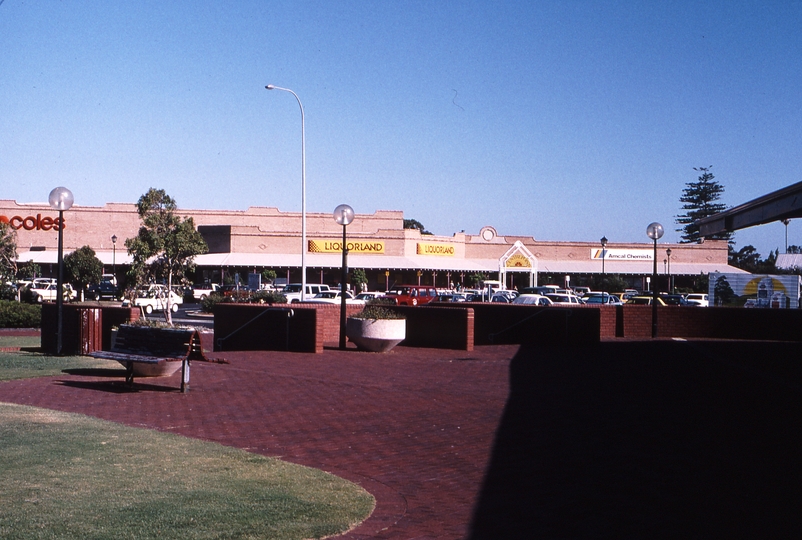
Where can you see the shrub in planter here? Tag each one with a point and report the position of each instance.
(268, 297)
(376, 328)
(20, 315)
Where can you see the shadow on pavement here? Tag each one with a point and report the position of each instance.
(648, 439)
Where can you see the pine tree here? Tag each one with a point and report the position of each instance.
(699, 201)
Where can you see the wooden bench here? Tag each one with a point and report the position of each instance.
(146, 345)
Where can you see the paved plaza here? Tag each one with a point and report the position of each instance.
(620, 439)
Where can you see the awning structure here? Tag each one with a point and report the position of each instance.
(785, 203)
(789, 261)
(51, 257)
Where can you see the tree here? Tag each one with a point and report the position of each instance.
(358, 278)
(723, 291)
(269, 276)
(29, 271)
(8, 252)
(169, 242)
(82, 267)
(699, 201)
(415, 224)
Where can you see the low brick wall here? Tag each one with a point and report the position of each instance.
(438, 327)
(514, 323)
(86, 326)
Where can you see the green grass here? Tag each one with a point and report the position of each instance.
(27, 364)
(70, 476)
(20, 341)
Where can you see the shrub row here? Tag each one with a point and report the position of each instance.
(245, 297)
(20, 315)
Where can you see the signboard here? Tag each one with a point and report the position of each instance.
(31, 223)
(354, 246)
(622, 254)
(445, 250)
(518, 260)
(754, 290)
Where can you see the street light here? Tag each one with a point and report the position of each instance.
(785, 222)
(670, 285)
(60, 199)
(303, 188)
(604, 245)
(114, 257)
(343, 215)
(654, 231)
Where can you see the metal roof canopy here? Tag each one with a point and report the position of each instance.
(785, 203)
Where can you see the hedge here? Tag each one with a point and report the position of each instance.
(20, 315)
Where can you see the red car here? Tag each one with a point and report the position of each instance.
(412, 295)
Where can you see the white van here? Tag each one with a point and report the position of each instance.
(293, 291)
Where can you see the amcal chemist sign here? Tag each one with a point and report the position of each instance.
(34, 223)
(336, 246)
(621, 254)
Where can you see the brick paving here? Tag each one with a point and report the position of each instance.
(414, 427)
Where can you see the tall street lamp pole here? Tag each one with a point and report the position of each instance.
(60, 199)
(604, 289)
(343, 215)
(303, 188)
(655, 232)
(785, 222)
(114, 257)
(670, 284)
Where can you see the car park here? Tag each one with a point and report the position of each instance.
(368, 296)
(293, 291)
(581, 291)
(602, 299)
(675, 300)
(412, 295)
(202, 291)
(532, 299)
(155, 298)
(105, 290)
(698, 299)
(334, 297)
(48, 292)
(564, 299)
(645, 300)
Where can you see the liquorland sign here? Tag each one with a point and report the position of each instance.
(622, 254)
(435, 249)
(354, 246)
(34, 223)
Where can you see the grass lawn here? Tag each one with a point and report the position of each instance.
(26, 364)
(71, 476)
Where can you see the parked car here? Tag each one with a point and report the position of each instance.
(367, 296)
(47, 292)
(334, 297)
(155, 297)
(698, 299)
(675, 300)
(530, 299)
(293, 291)
(105, 290)
(645, 300)
(581, 291)
(201, 291)
(602, 299)
(412, 295)
(564, 299)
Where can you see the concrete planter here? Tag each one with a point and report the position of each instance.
(376, 335)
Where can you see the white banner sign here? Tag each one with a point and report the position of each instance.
(622, 254)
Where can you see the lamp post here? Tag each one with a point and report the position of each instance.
(655, 232)
(60, 199)
(603, 245)
(114, 257)
(303, 189)
(343, 215)
(670, 284)
(785, 222)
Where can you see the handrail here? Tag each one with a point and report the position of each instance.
(290, 314)
(565, 312)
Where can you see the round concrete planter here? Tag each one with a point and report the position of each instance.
(376, 335)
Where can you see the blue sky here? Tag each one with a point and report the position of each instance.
(558, 120)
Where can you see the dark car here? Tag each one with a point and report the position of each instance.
(674, 300)
(105, 290)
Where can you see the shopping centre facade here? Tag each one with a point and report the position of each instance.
(261, 238)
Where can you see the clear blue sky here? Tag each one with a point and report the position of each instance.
(560, 120)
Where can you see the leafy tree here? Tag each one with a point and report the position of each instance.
(82, 267)
(723, 291)
(269, 276)
(358, 278)
(415, 224)
(164, 238)
(699, 201)
(794, 249)
(29, 271)
(8, 252)
(472, 280)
